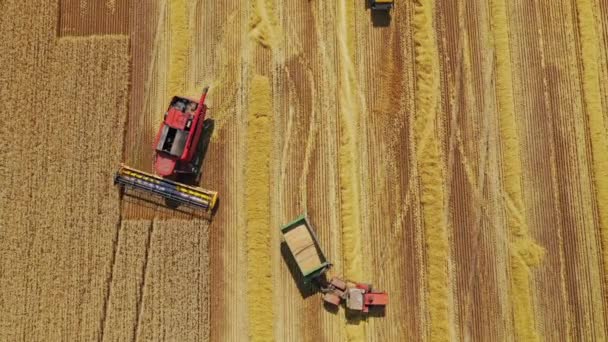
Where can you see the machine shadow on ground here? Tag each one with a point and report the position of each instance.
(354, 318)
(139, 198)
(379, 18)
(305, 290)
(208, 128)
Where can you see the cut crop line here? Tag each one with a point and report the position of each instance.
(524, 253)
(429, 155)
(597, 125)
(288, 131)
(110, 279)
(465, 77)
(311, 139)
(262, 24)
(179, 46)
(557, 202)
(259, 263)
(159, 26)
(142, 284)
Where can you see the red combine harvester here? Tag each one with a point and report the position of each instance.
(177, 155)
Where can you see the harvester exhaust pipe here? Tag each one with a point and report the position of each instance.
(201, 102)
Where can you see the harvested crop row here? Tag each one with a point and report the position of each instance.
(429, 157)
(597, 125)
(257, 173)
(262, 24)
(524, 253)
(349, 165)
(178, 47)
(218, 42)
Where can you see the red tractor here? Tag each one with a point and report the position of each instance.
(359, 297)
(178, 153)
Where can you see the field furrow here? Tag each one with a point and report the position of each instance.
(454, 154)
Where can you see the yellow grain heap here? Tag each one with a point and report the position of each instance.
(597, 126)
(180, 41)
(349, 160)
(524, 253)
(429, 155)
(111, 5)
(257, 172)
(262, 24)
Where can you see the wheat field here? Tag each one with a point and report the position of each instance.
(454, 154)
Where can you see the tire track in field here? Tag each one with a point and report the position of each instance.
(285, 291)
(430, 160)
(524, 253)
(350, 182)
(301, 168)
(476, 285)
(224, 165)
(327, 77)
(386, 81)
(175, 297)
(540, 168)
(597, 125)
(575, 309)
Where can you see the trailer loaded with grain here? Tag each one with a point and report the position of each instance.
(303, 245)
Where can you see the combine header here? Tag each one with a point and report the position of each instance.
(166, 188)
(177, 155)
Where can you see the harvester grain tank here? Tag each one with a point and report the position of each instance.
(177, 156)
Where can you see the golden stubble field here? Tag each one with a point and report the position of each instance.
(455, 155)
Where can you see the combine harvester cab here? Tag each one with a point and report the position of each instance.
(177, 153)
(303, 245)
